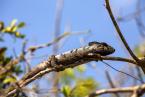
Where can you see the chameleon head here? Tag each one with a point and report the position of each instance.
(101, 48)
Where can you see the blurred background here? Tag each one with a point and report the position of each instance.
(79, 22)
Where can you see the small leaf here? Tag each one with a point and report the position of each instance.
(66, 90)
(2, 51)
(18, 70)
(21, 24)
(1, 25)
(70, 72)
(7, 29)
(140, 50)
(13, 23)
(83, 87)
(9, 80)
(81, 68)
(14, 29)
(19, 35)
(67, 76)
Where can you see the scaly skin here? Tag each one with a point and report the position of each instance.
(75, 56)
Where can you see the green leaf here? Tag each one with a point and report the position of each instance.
(2, 51)
(7, 29)
(1, 25)
(67, 76)
(66, 90)
(19, 35)
(70, 72)
(13, 23)
(17, 69)
(83, 87)
(14, 29)
(21, 24)
(81, 68)
(140, 50)
(9, 80)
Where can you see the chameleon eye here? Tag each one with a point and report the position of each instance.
(93, 42)
(105, 44)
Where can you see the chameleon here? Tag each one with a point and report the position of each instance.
(72, 57)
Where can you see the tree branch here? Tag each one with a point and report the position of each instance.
(113, 58)
(136, 90)
(111, 83)
(20, 58)
(95, 51)
(119, 31)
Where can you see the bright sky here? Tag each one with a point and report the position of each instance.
(123, 3)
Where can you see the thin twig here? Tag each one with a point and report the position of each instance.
(131, 15)
(139, 74)
(34, 48)
(119, 31)
(113, 58)
(48, 70)
(111, 82)
(140, 89)
(122, 71)
(58, 18)
(20, 58)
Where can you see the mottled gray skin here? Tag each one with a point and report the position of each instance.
(72, 57)
(75, 57)
(103, 48)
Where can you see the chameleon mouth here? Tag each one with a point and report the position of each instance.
(106, 51)
(101, 48)
(110, 50)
